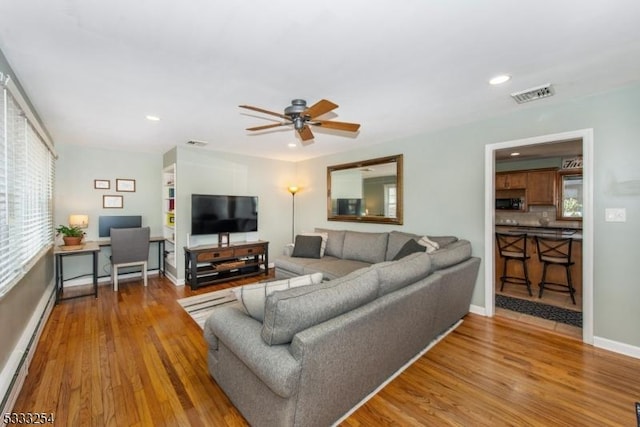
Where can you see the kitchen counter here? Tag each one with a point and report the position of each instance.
(553, 232)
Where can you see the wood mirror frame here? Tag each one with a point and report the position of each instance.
(348, 187)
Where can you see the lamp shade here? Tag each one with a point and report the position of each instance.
(81, 221)
(293, 189)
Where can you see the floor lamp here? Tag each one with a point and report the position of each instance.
(293, 190)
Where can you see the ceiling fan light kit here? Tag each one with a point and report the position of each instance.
(301, 116)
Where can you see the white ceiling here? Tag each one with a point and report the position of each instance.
(94, 69)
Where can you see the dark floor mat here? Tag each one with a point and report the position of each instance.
(538, 309)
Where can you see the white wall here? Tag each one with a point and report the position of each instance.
(444, 190)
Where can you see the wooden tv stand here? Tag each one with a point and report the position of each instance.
(210, 264)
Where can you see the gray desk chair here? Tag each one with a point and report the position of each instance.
(129, 247)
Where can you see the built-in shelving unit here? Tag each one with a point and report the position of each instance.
(169, 213)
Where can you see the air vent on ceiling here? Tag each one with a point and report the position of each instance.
(197, 143)
(534, 93)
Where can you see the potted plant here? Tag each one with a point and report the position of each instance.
(71, 235)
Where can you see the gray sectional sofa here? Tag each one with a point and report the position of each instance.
(347, 251)
(323, 348)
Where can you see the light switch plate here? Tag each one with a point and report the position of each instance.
(615, 215)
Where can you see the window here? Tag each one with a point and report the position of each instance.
(390, 200)
(570, 191)
(26, 191)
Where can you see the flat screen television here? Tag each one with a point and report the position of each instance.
(107, 222)
(349, 206)
(212, 214)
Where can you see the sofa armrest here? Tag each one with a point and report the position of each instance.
(274, 365)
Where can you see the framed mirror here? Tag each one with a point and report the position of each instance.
(366, 191)
(570, 195)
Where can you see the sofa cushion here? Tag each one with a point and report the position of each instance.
(296, 309)
(324, 236)
(410, 247)
(367, 247)
(307, 247)
(394, 275)
(252, 297)
(332, 267)
(443, 241)
(335, 241)
(396, 241)
(298, 265)
(452, 254)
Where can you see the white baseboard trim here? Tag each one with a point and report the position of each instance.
(398, 372)
(17, 367)
(476, 309)
(617, 347)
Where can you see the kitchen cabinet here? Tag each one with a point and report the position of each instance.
(511, 181)
(541, 187)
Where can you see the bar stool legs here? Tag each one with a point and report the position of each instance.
(555, 252)
(514, 248)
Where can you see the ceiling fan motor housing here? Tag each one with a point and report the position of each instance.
(297, 106)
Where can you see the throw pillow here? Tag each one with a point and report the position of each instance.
(325, 237)
(410, 247)
(429, 244)
(252, 297)
(307, 247)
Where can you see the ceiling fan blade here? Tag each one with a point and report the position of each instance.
(305, 133)
(319, 108)
(350, 127)
(261, 110)
(268, 126)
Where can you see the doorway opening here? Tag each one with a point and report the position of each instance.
(541, 214)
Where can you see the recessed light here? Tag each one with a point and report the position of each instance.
(514, 154)
(498, 80)
(292, 145)
(152, 118)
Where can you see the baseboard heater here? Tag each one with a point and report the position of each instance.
(13, 375)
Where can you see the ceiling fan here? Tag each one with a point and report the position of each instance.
(301, 116)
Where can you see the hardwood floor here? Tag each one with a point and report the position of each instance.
(135, 358)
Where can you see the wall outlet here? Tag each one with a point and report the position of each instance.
(615, 215)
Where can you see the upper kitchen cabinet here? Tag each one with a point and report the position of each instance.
(541, 187)
(511, 181)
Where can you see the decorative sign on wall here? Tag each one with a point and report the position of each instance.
(572, 163)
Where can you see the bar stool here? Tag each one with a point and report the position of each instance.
(555, 251)
(513, 247)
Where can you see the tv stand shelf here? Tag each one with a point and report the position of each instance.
(210, 264)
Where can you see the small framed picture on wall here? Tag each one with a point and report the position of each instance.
(126, 185)
(101, 184)
(112, 202)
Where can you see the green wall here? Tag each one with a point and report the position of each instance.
(444, 190)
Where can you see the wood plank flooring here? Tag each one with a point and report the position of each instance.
(135, 358)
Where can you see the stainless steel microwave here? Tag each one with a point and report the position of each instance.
(515, 204)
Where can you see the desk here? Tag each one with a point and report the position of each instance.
(154, 239)
(85, 249)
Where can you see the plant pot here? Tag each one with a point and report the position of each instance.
(72, 241)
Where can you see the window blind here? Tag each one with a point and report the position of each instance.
(27, 170)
